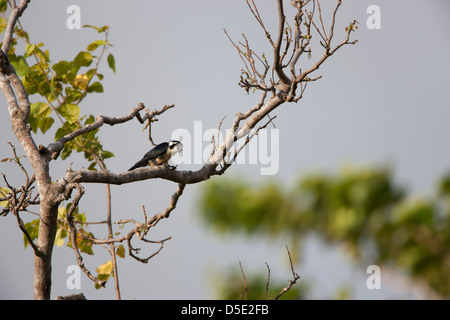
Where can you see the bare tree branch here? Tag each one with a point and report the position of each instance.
(55, 148)
(295, 277)
(268, 281)
(16, 12)
(245, 283)
(140, 230)
(150, 117)
(277, 63)
(19, 203)
(73, 233)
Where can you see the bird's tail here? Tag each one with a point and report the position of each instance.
(138, 165)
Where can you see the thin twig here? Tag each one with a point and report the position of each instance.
(268, 281)
(245, 283)
(295, 277)
(73, 234)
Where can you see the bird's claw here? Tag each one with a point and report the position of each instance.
(170, 167)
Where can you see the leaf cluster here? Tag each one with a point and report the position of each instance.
(106, 270)
(60, 87)
(63, 230)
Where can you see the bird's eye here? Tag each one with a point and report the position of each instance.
(171, 147)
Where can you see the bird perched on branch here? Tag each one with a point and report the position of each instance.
(160, 155)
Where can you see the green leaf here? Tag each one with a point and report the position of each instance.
(40, 109)
(43, 55)
(55, 87)
(81, 217)
(46, 124)
(95, 87)
(67, 151)
(70, 112)
(20, 65)
(111, 62)
(90, 120)
(101, 277)
(94, 45)
(30, 86)
(86, 246)
(3, 5)
(62, 67)
(107, 154)
(61, 132)
(90, 73)
(29, 49)
(40, 117)
(32, 228)
(92, 166)
(83, 59)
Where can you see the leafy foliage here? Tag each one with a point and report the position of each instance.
(60, 87)
(63, 230)
(360, 208)
(106, 270)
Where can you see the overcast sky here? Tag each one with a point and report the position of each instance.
(384, 100)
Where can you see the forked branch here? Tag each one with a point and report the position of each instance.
(287, 81)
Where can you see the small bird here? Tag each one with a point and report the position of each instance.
(160, 155)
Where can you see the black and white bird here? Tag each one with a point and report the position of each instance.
(159, 155)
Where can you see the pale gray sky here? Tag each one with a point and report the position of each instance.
(385, 100)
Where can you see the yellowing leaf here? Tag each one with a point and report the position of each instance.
(61, 212)
(2, 24)
(3, 193)
(59, 240)
(94, 45)
(120, 251)
(81, 81)
(105, 268)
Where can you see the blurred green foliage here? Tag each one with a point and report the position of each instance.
(363, 209)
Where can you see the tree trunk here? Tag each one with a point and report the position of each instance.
(43, 259)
